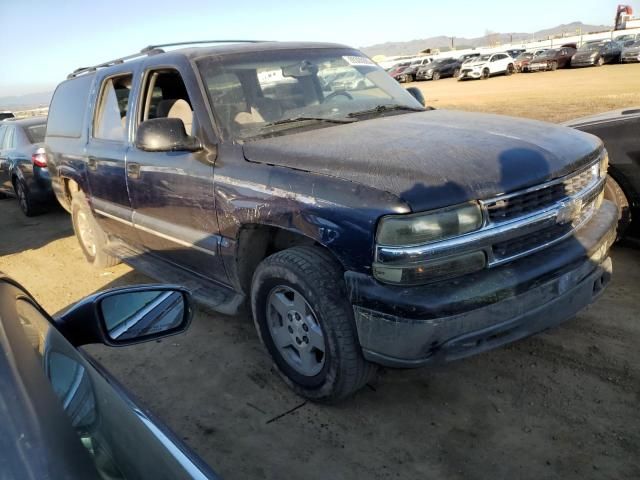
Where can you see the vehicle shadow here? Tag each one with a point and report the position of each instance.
(21, 233)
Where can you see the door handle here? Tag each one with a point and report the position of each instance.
(92, 163)
(133, 170)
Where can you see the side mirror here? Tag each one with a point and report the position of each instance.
(124, 316)
(417, 94)
(165, 135)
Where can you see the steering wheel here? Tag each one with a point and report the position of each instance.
(336, 93)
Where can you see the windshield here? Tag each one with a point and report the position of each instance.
(525, 56)
(272, 93)
(547, 53)
(484, 58)
(587, 47)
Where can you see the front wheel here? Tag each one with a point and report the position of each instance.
(435, 76)
(600, 61)
(614, 193)
(93, 240)
(554, 66)
(485, 74)
(305, 321)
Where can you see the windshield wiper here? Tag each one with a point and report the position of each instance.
(384, 108)
(308, 119)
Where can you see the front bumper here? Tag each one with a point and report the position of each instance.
(584, 62)
(474, 74)
(538, 67)
(630, 58)
(414, 326)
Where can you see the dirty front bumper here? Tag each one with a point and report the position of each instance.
(414, 326)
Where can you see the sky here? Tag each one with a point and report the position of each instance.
(44, 40)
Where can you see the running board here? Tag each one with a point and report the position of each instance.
(206, 292)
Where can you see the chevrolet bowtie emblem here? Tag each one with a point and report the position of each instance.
(568, 211)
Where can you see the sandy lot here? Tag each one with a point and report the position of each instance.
(563, 404)
(552, 96)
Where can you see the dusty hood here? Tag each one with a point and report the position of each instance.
(435, 158)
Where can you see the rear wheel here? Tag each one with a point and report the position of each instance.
(305, 321)
(614, 193)
(93, 241)
(553, 66)
(24, 200)
(456, 73)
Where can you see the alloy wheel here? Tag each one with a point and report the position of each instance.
(87, 233)
(295, 330)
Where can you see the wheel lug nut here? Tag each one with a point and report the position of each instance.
(304, 327)
(290, 329)
(306, 339)
(298, 341)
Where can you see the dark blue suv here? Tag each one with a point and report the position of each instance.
(362, 228)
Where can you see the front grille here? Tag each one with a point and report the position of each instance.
(517, 246)
(518, 205)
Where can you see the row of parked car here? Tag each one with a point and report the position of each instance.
(479, 66)
(359, 227)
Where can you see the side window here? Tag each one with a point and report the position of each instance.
(165, 96)
(111, 112)
(68, 107)
(9, 139)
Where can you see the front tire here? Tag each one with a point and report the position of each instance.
(599, 62)
(93, 241)
(305, 321)
(485, 74)
(614, 193)
(435, 76)
(554, 66)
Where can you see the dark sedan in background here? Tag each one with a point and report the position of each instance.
(62, 415)
(23, 164)
(447, 67)
(406, 74)
(552, 59)
(596, 53)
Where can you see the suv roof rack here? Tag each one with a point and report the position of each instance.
(150, 50)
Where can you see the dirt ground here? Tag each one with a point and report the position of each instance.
(563, 404)
(553, 96)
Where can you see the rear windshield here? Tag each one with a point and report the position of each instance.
(68, 107)
(35, 133)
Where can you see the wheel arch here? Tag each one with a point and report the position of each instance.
(257, 241)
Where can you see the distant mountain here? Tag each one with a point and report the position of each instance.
(414, 46)
(24, 102)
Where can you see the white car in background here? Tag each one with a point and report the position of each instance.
(487, 65)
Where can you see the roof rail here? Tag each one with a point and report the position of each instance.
(180, 44)
(150, 50)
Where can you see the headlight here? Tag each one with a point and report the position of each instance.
(604, 164)
(419, 228)
(594, 54)
(430, 70)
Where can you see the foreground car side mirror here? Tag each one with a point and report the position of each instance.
(165, 135)
(128, 315)
(417, 94)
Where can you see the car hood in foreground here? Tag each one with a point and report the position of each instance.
(435, 158)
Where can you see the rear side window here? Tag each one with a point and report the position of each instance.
(113, 106)
(7, 142)
(35, 133)
(68, 107)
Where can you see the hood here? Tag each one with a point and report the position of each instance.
(586, 54)
(435, 158)
(475, 63)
